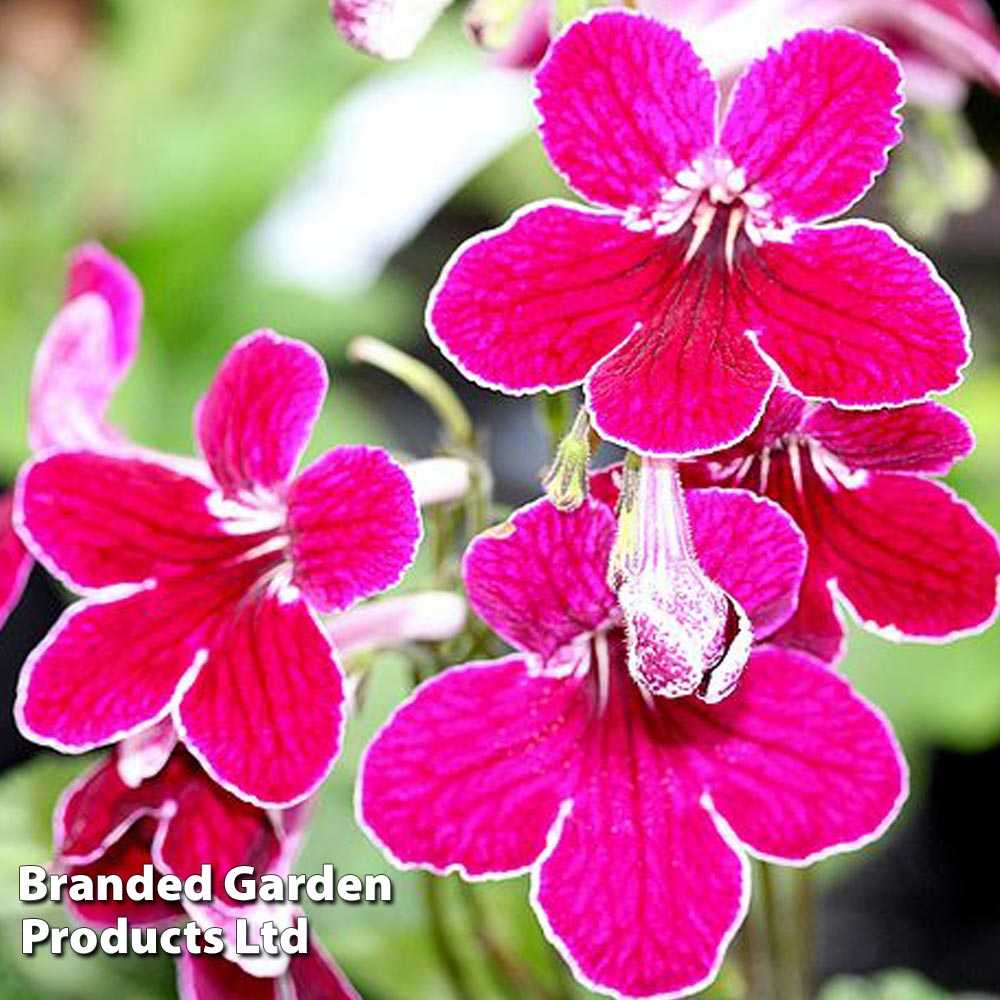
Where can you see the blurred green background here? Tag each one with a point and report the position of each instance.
(167, 129)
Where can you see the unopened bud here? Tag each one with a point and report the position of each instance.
(566, 481)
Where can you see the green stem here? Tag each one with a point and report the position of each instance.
(442, 938)
(804, 916)
(424, 381)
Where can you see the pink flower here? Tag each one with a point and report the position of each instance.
(902, 552)
(153, 804)
(633, 814)
(85, 354)
(203, 580)
(680, 304)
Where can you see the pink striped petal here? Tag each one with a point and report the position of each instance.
(265, 713)
(470, 773)
(124, 858)
(909, 557)
(688, 381)
(354, 524)
(86, 353)
(542, 582)
(642, 889)
(816, 628)
(15, 563)
(212, 977)
(211, 827)
(256, 418)
(98, 809)
(811, 124)
(925, 438)
(752, 549)
(110, 668)
(100, 520)
(92, 270)
(801, 766)
(852, 313)
(537, 303)
(626, 105)
(390, 29)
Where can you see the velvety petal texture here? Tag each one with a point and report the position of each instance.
(812, 123)
(625, 107)
(851, 313)
(254, 422)
(569, 552)
(354, 526)
(537, 303)
(272, 658)
(614, 800)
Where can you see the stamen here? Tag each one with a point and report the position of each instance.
(704, 218)
(736, 219)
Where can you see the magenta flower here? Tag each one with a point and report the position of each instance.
(706, 278)
(632, 813)
(153, 804)
(85, 354)
(203, 580)
(902, 552)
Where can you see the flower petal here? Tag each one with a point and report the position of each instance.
(256, 418)
(816, 628)
(124, 858)
(545, 583)
(852, 313)
(354, 525)
(77, 370)
(909, 557)
(210, 826)
(390, 29)
(265, 713)
(538, 302)
(752, 549)
(315, 976)
(640, 891)
(688, 380)
(110, 668)
(92, 270)
(470, 773)
(15, 563)
(798, 764)
(98, 808)
(101, 520)
(811, 124)
(212, 977)
(626, 105)
(925, 438)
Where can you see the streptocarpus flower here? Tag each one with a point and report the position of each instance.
(706, 276)
(152, 804)
(902, 552)
(632, 813)
(203, 580)
(86, 352)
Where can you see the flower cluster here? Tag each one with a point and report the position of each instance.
(669, 705)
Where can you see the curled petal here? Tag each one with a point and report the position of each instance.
(432, 616)
(541, 581)
(852, 313)
(626, 106)
(265, 713)
(537, 303)
(811, 124)
(256, 418)
(354, 525)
